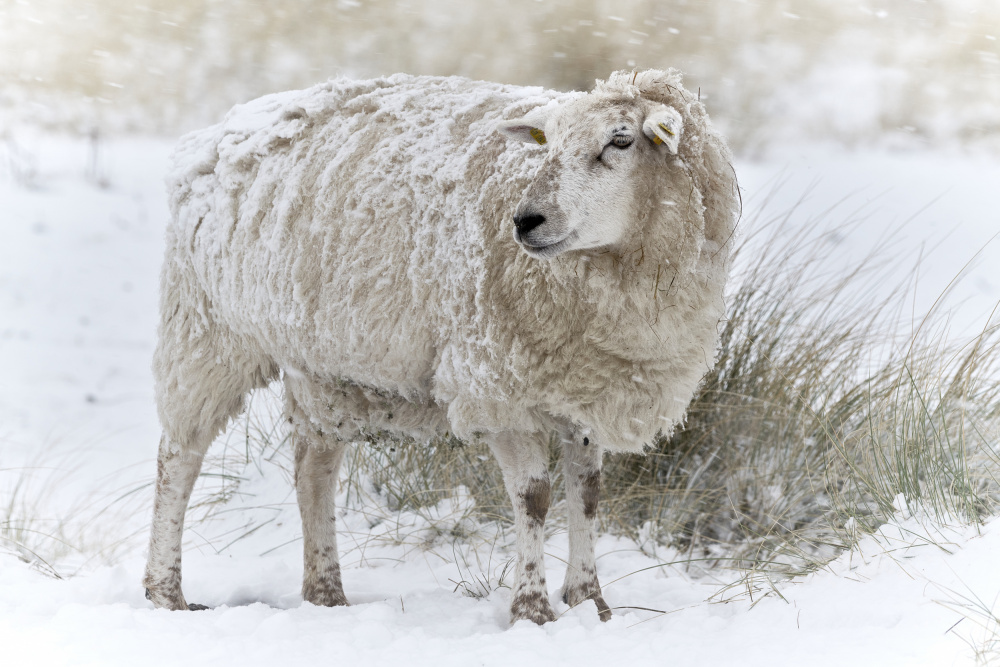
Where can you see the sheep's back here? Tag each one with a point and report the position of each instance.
(340, 226)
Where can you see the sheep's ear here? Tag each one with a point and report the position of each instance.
(530, 128)
(663, 127)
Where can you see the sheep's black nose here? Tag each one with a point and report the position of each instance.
(525, 223)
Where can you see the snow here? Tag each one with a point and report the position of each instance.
(79, 264)
(78, 284)
(891, 602)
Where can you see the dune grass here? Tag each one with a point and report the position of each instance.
(23, 533)
(60, 522)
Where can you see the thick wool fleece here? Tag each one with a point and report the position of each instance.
(358, 236)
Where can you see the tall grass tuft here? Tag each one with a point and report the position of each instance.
(59, 528)
(819, 420)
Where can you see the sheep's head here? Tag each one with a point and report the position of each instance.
(602, 153)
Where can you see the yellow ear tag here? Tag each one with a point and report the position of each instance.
(663, 126)
(537, 135)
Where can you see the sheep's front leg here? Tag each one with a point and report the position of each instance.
(524, 463)
(582, 471)
(316, 465)
(176, 471)
(318, 455)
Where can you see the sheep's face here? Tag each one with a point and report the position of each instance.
(601, 152)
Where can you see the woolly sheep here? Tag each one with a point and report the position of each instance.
(406, 268)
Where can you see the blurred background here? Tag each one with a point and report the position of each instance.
(867, 145)
(896, 73)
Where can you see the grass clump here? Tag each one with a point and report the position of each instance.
(817, 416)
(59, 529)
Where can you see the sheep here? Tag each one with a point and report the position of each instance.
(417, 256)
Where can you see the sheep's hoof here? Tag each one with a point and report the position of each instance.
(578, 595)
(323, 596)
(174, 601)
(328, 600)
(536, 616)
(603, 610)
(197, 607)
(533, 607)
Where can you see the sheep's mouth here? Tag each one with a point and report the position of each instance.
(548, 250)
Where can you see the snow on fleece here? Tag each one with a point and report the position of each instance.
(362, 230)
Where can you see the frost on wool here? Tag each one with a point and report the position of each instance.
(359, 233)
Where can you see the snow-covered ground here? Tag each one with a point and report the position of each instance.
(80, 245)
(895, 601)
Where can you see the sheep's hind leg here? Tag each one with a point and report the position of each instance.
(582, 471)
(176, 471)
(202, 376)
(317, 462)
(525, 471)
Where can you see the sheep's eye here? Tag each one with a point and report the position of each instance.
(619, 141)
